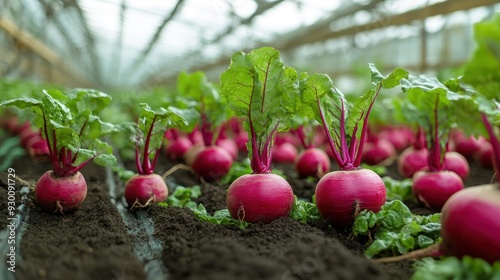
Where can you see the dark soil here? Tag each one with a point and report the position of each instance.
(94, 242)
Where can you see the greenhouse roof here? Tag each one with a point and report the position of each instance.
(122, 43)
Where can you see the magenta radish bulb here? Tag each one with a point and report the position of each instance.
(259, 198)
(470, 223)
(484, 156)
(229, 145)
(60, 194)
(457, 163)
(340, 195)
(284, 153)
(379, 152)
(261, 90)
(312, 162)
(411, 161)
(212, 162)
(434, 188)
(178, 147)
(141, 190)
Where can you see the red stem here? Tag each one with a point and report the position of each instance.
(494, 143)
(302, 137)
(138, 160)
(336, 155)
(51, 153)
(359, 151)
(146, 163)
(435, 163)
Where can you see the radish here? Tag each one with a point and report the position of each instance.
(284, 153)
(379, 152)
(467, 145)
(211, 162)
(433, 106)
(178, 148)
(261, 89)
(484, 156)
(60, 194)
(341, 195)
(411, 161)
(414, 158)
(310, 162)
(146, 187)
(400, 137)
(68, 122)
(457, 163)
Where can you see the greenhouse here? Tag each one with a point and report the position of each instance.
(249, 139)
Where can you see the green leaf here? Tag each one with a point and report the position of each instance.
(392, 80)
(454, 268)
(304, 211)
(396, 230)
(398, 189)
(258, 87)
(105, 160)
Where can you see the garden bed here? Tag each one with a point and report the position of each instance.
(100, 242)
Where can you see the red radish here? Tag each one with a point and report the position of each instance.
(411, 161)
(65, 121)
(312, 162)
(434, 188)
(350, 191)
(251, 198)
(192, 152)
(341, 195)
(379, 152)
(178, 148)
(229, 145)
(211, 163)
(38, 147)
(261, 89)
(146, 187)
(467, 145)
(457, 163)
(60, 194)
(241, 140)
(484, 156)
(26, 135)
(400, 137)
(470, 223)
(284, 153)
(143, 190)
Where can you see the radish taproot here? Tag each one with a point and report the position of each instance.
(340, 195)
(261, 89)
(146, 187)
(71, 129)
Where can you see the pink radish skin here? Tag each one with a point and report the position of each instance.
(230, 146)
(177, 149)
(241, 140)
(411, 161)
(471, 224)
(60, 194)
(284, 153)
(467, 146)
(342, 194)
(192, 152)
(457, 163)
(434, 188)
(212, 163)
(38, 147)
(259, 198)
(484, 156)
(312, 162)
(381, 152)
(400, 138)
(142, 190)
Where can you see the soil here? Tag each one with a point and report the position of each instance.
(100, 242)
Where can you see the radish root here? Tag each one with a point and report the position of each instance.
(431, 251)
(175, 168)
